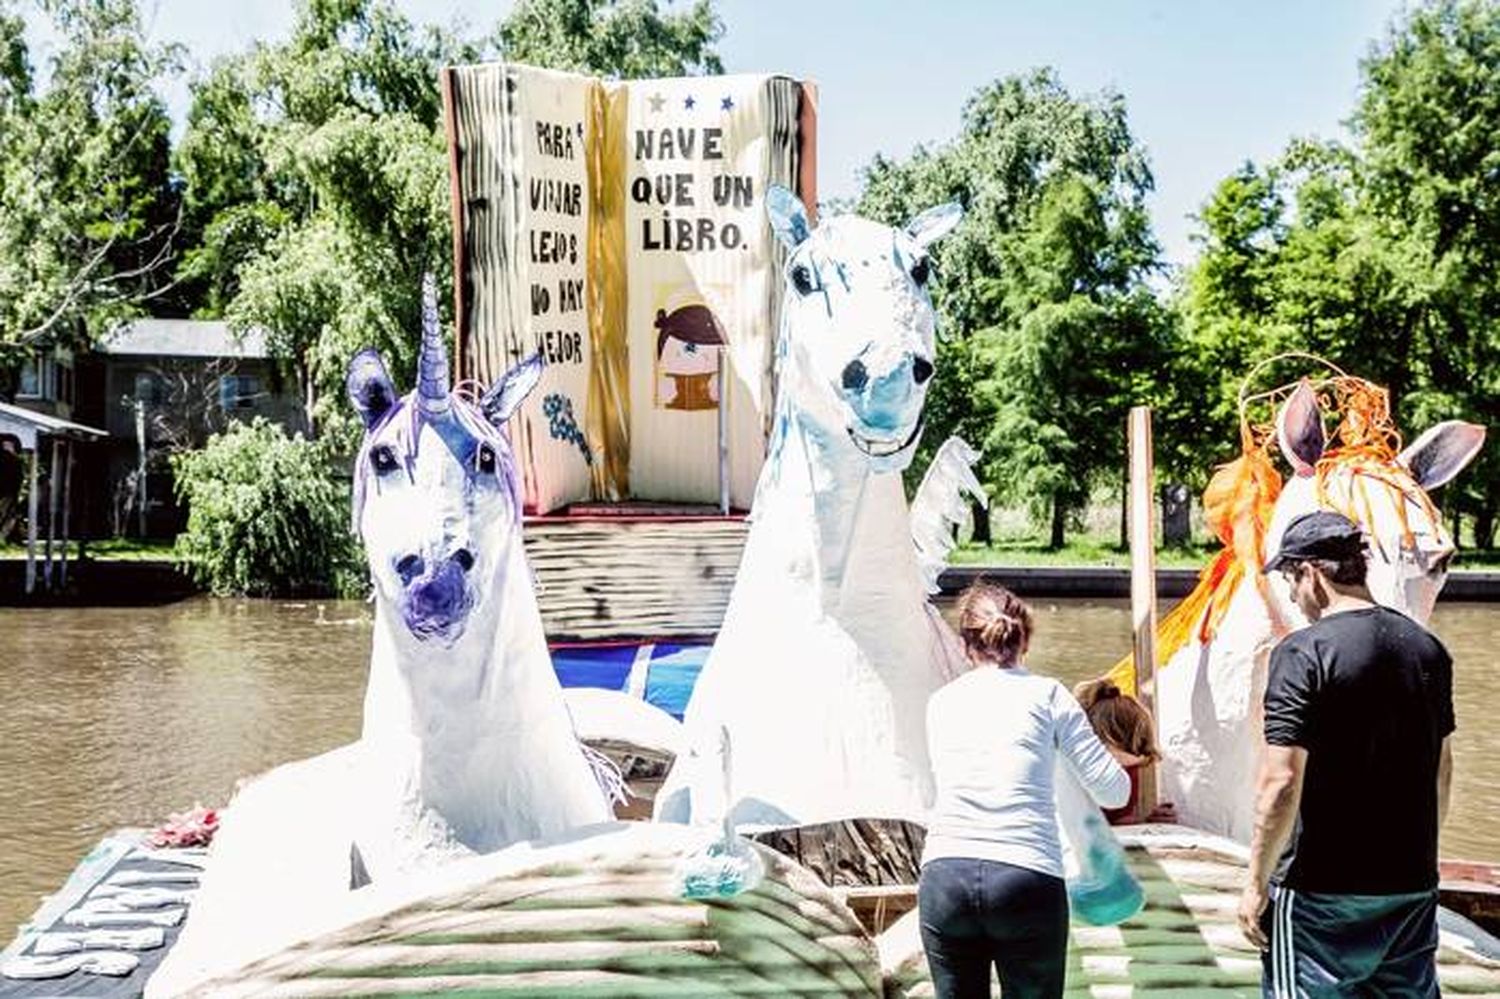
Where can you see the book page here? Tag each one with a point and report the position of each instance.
(703, 272)
(523, 163)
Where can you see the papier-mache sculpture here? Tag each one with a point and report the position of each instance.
(467, 743)
(829, 649)
(1216, 644)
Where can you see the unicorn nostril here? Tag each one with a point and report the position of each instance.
(855, 376)
(409, 568)
(464, 558)
(921, 369)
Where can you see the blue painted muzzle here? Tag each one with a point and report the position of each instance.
(437, 602)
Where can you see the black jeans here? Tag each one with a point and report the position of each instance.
(980, 912)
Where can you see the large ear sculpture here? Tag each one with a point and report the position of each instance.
(503, 397)
(935, 223)
(1442, 451)
(370, 387)
(788, 216)
(1299, 430)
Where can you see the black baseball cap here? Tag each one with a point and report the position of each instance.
(1321, 534)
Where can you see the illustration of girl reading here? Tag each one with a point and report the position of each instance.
(688, 343)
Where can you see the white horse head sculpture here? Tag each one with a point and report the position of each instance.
(467, 746)
(461, 681)
(856, 349)
(1209, 691)
(436, 497)
(1410, 548)
(821, 671)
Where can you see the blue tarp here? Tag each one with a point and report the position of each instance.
(670, 670)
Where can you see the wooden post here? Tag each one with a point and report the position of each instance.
(723, 436)
(1143, 583)
(67, 505)
(51, 511)
(31, 520)
(140, 474)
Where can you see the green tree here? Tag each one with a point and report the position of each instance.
(617, 38)
(1428, 122)
(1379, 256)
(1051, 331)
(267, 516)
(317, 187)
(88, 207)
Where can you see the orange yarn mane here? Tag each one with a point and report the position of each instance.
(1241, 498)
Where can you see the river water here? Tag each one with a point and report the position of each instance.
(115, 717)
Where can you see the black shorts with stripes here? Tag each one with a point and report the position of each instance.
(1350, 945)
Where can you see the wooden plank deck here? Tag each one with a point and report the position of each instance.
(607, 578)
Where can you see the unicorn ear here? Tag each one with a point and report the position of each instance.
(501, 401)
(1299, 429)
(788, 216)
(935, 223)
(370, 387)
(1442, 452)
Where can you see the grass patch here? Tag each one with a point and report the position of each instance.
(1094, 551)
(1083, 551)
(106, 549)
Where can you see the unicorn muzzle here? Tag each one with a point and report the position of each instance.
(437, 597)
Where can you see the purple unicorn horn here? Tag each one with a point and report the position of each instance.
(432, 365)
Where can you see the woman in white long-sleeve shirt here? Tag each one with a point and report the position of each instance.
(991, 890)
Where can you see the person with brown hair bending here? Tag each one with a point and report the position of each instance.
(991, 890)
(1125, 727)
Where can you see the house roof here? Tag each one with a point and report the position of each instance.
(27, 425)
(183, 338)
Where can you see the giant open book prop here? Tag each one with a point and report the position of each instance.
(618, 228)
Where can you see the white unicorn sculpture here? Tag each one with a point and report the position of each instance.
(1210, 691)
(828, 651)
(467, 743)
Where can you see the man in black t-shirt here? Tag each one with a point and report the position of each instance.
(1353, 784)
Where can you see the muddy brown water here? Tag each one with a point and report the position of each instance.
(115, 717)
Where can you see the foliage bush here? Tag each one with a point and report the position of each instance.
(267, 516)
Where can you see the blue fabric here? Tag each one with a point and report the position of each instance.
(607, 668)
(674, 671)
(670, 675)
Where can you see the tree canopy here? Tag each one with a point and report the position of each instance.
(1051, 331)
(620, 39)
(1379, 255)
(89, 209)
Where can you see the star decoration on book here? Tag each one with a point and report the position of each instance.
(656, 101)
(689, 102)
(727, 104)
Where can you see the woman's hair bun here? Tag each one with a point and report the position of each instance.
(994, 623)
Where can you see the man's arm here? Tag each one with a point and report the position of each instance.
(1277, 798)
(1445, 780)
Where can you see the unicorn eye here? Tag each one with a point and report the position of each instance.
(382, 459)
(921, 271)
(802, 279)
(484, 460)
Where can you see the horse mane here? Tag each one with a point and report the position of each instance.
(465, 410)
(1240, 498)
